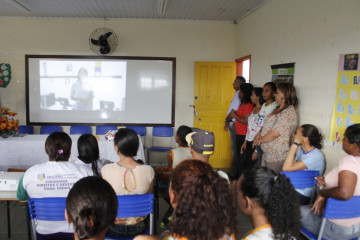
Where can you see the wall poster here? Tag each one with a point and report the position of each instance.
(283, 73)
(347, 105)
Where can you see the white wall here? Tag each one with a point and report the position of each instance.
(188, 41)
(311, 33)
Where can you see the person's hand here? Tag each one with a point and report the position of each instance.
(243, 147)
(232, 114)
(254, 156)
(320, 181)
(226, 127)
(256, 140)
(298, 137)
(319, 205)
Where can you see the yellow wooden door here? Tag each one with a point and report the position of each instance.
(213, 95)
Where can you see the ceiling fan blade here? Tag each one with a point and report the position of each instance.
(105, 49)
(95, 42)
(108, 35)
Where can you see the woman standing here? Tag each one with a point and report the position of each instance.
(241, 116)
(279, 128)
(253, 128)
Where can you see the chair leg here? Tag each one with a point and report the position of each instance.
(322, 228)
(8, 218)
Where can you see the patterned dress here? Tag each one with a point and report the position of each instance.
(275, 151)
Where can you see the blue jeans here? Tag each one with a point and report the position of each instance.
(312, 223)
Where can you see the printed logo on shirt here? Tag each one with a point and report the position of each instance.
(261, 119)
(41, 177)
(58, 182)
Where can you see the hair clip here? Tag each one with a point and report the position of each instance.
(275, 178)
(60, 151)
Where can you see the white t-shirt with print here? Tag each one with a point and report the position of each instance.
(53, 179)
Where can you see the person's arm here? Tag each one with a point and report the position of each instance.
(290, 164)
(21, 193)
(151, 187)
(270, 136)
(170, 158)
(345, 189)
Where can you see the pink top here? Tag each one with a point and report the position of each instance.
(348, 163)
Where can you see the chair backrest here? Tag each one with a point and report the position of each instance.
(163, 132)
(47, 209)
(23, 129)
(136, 206)
(79, 130)
(339, 209)
(101, 130)
(140, 130)
(49, 129)
(303, 178)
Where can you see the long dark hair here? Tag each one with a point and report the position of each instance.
(205, 208)
(246, 89)
(275, 194)
(312, 133)
(58, 146)
(88, 150)
(258, 93)
(127, 142)
(91, 206)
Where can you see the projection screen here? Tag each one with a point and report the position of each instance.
(90, 90)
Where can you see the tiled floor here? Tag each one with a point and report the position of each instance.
(19, 230)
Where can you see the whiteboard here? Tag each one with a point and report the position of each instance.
(97, 90)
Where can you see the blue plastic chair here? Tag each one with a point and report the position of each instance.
(136, 206)
(336, 209)
(101, 130)
(161, 132)
(47, 209)
(23, 129)
(79, 130)
(49, 129)
(303, 178)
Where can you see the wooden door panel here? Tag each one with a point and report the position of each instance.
(213, 95)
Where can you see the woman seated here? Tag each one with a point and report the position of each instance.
(88, 150)
(270, 201)
(91, 206)
(52, 179)
(203, 206)
(340, 183)
(128, 177)
(305, 154)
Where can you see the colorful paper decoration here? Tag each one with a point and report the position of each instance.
(347, 103)
(5, 74)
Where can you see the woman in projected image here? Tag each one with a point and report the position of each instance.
(82, 92)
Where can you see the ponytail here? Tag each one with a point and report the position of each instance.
(275, 194)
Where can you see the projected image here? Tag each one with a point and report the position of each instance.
(82, 85)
